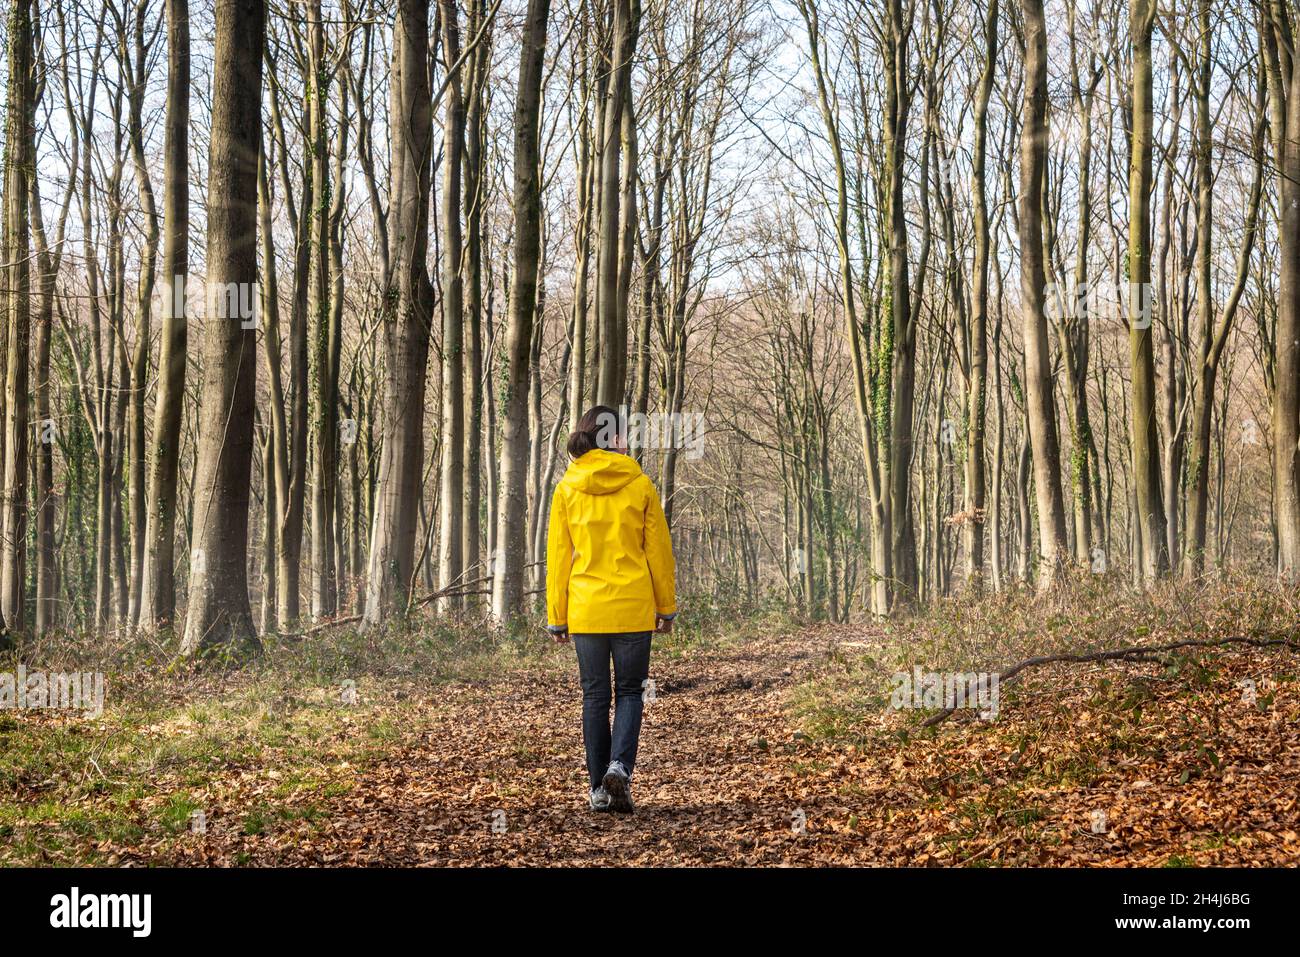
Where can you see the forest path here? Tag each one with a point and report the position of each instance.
(717, 780)
(493, 774)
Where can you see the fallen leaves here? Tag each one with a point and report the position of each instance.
(1124, 765)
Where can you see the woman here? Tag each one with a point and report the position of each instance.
(609, 582)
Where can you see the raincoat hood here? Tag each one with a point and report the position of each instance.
(601, 473)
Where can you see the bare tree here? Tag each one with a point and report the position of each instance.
(452, 499)
(219, 612)
(158, 594)
(20, 170)
(611, 289)
(1039, 401)
(1144, 438)
(406, 329)
(508, 577)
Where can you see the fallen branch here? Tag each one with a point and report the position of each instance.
(317, 629)
(987, 850)
(456, 590)
(452, 591)
(1134, 653)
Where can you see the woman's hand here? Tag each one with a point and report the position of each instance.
(663, 625)
(560, 636)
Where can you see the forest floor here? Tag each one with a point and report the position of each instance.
(764, 744)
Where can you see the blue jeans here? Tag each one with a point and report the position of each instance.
(631, 655)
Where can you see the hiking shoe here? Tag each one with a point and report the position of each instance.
(619, 788)
(599, 799)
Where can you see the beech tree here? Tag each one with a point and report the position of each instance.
(219, 611)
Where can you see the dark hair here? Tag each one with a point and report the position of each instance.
(596, 430)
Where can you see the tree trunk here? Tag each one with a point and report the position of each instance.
(144, 305)
(397, 487)
(902, 331)
(48, 260)
(1153, 555)
(1040, 406)
(158, 595)
(19, 172)
(1213, 337)
(974, 505)
(1286, 372)
(324, 375)
(611, 293)
(508, 572)
(577, 384)
(475, 183)
(451, 524)
(219, 613)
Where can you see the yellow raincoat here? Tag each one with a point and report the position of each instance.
(609, 558)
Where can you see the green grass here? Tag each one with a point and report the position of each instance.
(141, 773)
(176, 811)
(171, 732)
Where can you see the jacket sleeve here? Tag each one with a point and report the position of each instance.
(559, 562)
(659, 555)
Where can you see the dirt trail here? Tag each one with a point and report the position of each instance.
(722, 778)
(715, 781)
